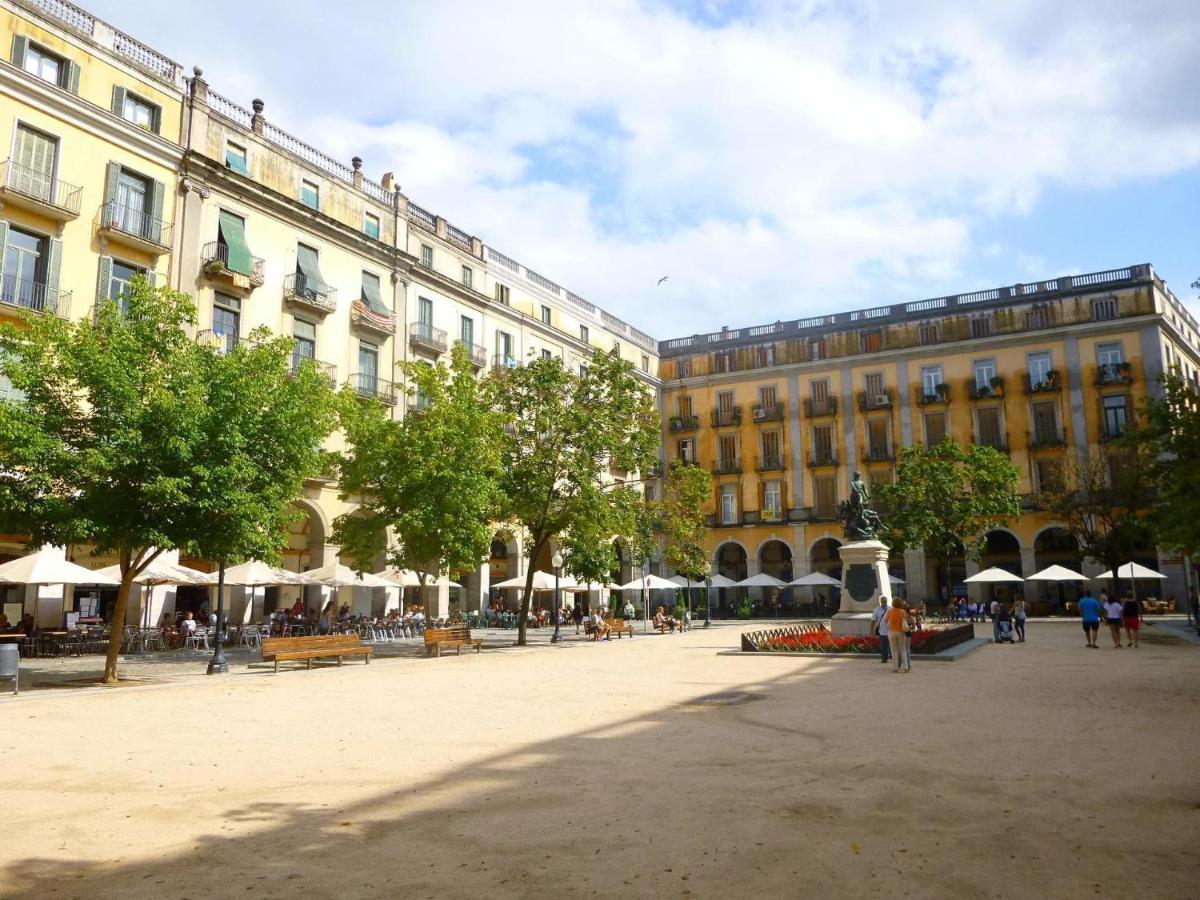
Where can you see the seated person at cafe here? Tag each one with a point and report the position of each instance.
(25, 626)
(5, 626)
(298, 608)
(188, 625)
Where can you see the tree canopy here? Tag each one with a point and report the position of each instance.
(680, 516)
(1171, 451)
(133, 437)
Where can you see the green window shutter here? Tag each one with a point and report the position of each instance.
(118, 103)
(111, 174)
(233, 230)
(156, 119)
(158, 192)
(308, 263)
(370, 293)
(20, 45)
(53, 271)
(103, 278)
(235, 162)
(72, 77)
(3, 242)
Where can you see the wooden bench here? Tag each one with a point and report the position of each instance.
(619, 627)
(456, 636)
(314, 647)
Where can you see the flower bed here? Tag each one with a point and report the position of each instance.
(817, 639)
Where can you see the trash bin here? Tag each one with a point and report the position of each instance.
(10, 663)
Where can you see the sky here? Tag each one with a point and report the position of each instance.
(773, 159)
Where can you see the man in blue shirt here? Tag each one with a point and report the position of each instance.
(1089, 611)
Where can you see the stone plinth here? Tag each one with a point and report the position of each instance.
(864, 581)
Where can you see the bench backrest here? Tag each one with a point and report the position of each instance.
(311, 642)
(453, 633)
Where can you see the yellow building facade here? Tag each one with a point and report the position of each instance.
(784, 414)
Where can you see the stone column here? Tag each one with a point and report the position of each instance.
(974, 591)
(916, 583)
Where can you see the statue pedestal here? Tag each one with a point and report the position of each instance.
(864, 581)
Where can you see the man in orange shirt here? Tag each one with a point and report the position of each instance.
(897, 622)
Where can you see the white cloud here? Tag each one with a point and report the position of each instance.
(794, 160)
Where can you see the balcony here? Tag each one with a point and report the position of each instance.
(300, 290)
(371, 386)
(686, 460)
(824, 513)
(822, 459)
(477, 353)
(994, 390)
(329, 370)
(771, 462)
(1046, 439)
(940, 395)
(868, 402)
(815, 409)
(1050, 383)
(727, 466)
(503, 362)
(215, 262)
(423, 336)
(39, 192)
(684, 423)
(1114, 373)
(729, 416)
(770, 514)
(417, 405)
(35, 297)
(771, 412)
(222, 343)
(995, 441)
(878, 454)
(133, 228)
(715, 521)
(368, 319)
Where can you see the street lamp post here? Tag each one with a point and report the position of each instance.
(557, 562)
(217, 665)
(707, 572)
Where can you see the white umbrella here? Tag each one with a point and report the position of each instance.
(720, 581)
(762, 579)
(49, 566)
(590, 586)
(1056, 573)
(1131, 571)
(894, 580)
(336, 575)
(161, 572)
(993, 575)
(649, 583)
(542, 581)
(815, 579)
(258, 574)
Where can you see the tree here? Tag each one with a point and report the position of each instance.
(1102, 499)
(136, 439)
(680, 517)
(561, 432)
(1171, 442)
(433, 478)
(947, 498)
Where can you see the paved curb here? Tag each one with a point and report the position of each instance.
(958, 651)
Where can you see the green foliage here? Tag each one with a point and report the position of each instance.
(431, 478)
(744, 610)
(136, 439)
(680, 516)
(1170, 443)
(946, 498)
(562, 431)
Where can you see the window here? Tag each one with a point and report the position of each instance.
(870, 341)
(685, 407)
(981, 326)
(877, 438)
(309, 282)
(467, 276)
(118, 282)
(822, 443)
(931, 380)
(547, 354)
(226, 321)
(1038, 316)
(45, 65)
(131, 209)
(235, 159)
(141, 113)
(584, 334)
(825, 493)
(766, 397)
(935, 428)
(771, 456)
(466, 331)
(425, 316)
(505, 349)
(816, 349)
(1039, 365)
(820, 390)
(1045, 422)
(1049, 475)
(583, 371)
(36, 155)
(927, 333)
(545, 315)
(773, 500)
(1104, 308)
(427, 256)
(8, 393)
(723, 361)
(990, 433)
(371, 225)
(685, 449)
(683, 368)
(616, 348)
(985, 371)
(310, 194)
(727, 450)
(25, 259)
(232, 248)
(645, 363)
(368, 371)
(725, 403)
(305, 347)
(371, 294)
(1108, 354)
(1116, 416)
(873, 385)
(729, 515)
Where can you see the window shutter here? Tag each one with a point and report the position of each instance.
(157, 194)
(20, 45)
(111, 174)
(53, 268)
(3, 238)
(156, 119)
(152, 277)
(103, 278)
(118, 101)
(72, 76)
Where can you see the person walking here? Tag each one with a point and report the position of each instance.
(1131, 616)
(1112, 618)
(898, 625)
(879, 626)
(994, 612)
(1019, 611)
(1089, 611)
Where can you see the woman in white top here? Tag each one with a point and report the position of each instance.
(1112, 618)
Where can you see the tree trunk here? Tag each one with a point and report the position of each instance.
(117, 631)
(523, 612)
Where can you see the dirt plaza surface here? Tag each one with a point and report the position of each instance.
(645, 768)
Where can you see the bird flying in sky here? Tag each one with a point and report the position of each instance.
(664, 278)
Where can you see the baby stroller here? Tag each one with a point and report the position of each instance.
(1004, 629)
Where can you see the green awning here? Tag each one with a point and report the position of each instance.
(237, 163)
(233, 233)
(370, 294)
(308, 266)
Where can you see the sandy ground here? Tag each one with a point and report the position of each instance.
(1037, 770)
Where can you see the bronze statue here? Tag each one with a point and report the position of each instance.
(859, 520)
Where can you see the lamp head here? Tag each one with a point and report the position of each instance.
(556, 560)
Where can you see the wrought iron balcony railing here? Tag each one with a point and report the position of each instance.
(34, 296)
(1114, 373)
(300, 289)
(771, 462)
(1050, 383)
(878, 453)
(504, 361)
(369, 385)
(1046, 438)
(941, 394)
(731, 415)
(822, 458)
(727, 466)
(422, 334)
(814, 409)
(25, 186)
(477, 353)
(364, 316)
(770, 412)
(870, 401)
(329, 370)
(215, 260)
(684, 423)
(995, 441)
(134, 224)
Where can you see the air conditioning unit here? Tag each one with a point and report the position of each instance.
(882, 399)
(759, 414)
